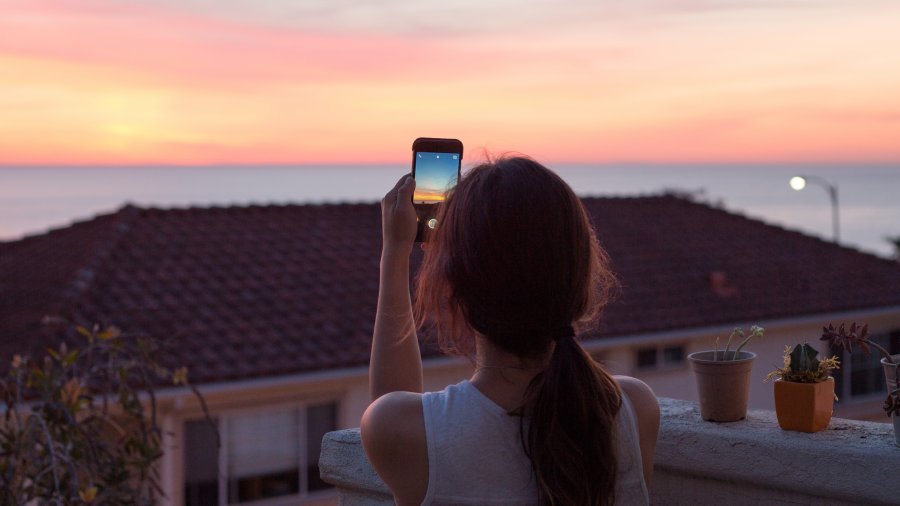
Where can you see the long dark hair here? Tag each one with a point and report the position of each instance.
(515, 259)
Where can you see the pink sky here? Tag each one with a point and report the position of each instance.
(326, 81)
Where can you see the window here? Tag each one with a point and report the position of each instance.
(646, 358)
(653, 357)
(673, 354)
(861, 376)
(264, 454)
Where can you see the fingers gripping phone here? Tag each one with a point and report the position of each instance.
(436, 167)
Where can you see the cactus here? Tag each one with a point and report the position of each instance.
(803, 359)
(802, 366)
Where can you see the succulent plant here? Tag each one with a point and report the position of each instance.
(845, 338)
(892, 403)
(802, 366)
(755, 331)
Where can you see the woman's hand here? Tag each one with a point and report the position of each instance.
(398, 216)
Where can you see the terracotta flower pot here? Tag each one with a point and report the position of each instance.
(723, 385)
(804, 407)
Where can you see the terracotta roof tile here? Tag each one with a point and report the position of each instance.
(266, 290)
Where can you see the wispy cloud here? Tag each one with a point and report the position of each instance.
(468, 17)
(197, 81)
(171, 44)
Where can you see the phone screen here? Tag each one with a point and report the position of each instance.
(436, 174)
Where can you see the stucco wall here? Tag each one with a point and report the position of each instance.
(350, 387)
(679, 382)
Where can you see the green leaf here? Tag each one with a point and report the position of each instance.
(110, 333)
(70, 358)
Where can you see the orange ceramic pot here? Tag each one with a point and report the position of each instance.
(804, 407)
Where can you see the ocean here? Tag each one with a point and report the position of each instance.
(35, 199)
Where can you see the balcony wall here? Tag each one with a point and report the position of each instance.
(748, 462)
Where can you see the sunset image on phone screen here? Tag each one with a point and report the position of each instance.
(436, 174)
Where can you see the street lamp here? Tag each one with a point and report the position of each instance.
(799, 182)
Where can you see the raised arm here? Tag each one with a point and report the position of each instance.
(395, 363)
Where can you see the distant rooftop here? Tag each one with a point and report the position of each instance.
(258, 291)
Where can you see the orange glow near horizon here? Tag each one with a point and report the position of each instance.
(428, 196)
(123, 82)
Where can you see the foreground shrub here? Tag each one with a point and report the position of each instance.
(79, 426)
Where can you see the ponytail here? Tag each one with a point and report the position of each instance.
(567, 428)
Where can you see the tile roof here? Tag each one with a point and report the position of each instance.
(258, 291)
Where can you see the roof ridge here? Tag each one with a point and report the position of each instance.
(83, 277)
(129, 212)
(784, 228)
(708, 204)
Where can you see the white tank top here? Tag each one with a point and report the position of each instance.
(475, 454)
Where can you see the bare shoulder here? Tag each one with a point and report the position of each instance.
(393, 435)
(393, 421)
(391, 409)
(640, 394)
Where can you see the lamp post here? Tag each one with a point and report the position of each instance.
(799, 182)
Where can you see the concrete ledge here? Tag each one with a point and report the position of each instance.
(748, 462)
(343, 463)
(755, 462)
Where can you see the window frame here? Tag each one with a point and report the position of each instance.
(660, 363)
(222, 415)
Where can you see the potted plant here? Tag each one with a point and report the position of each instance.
(804, 389)
(723, 378)
(844, 338)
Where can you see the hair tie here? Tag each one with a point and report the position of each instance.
(564, 333)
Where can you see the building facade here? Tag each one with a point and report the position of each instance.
(271, 309)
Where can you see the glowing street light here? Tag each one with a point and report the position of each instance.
(799, 182)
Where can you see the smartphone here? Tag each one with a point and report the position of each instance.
(436, 167)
